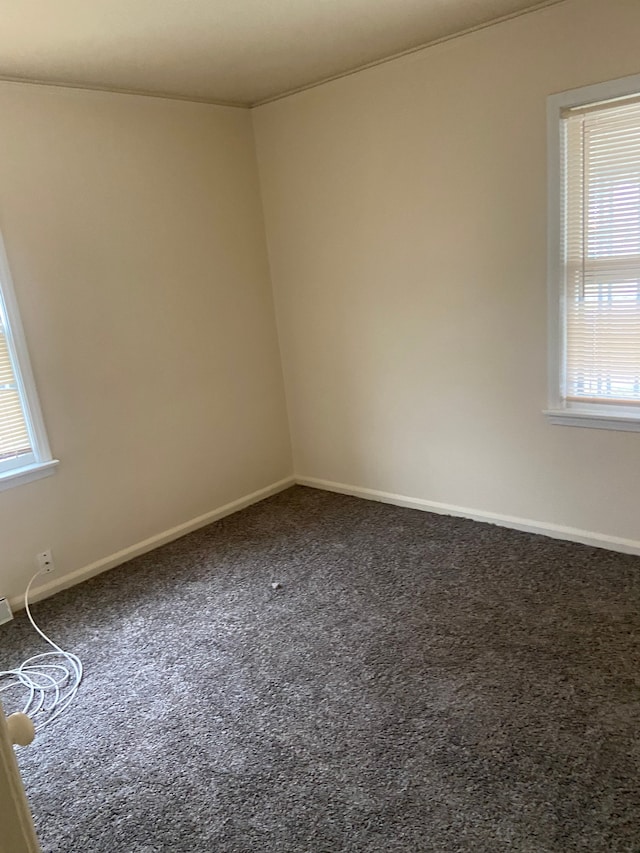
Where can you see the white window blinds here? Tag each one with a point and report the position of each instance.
(24, 449)
(601, 250)
(15, 443)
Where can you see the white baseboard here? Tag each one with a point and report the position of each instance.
(113, 560)
(555, 531)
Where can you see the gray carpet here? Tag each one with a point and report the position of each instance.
(418, 683)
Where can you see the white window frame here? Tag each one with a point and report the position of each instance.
(560, 411)
(39, 463)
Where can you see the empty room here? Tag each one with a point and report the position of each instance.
(320, 426)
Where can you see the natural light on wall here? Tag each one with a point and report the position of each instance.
(597, 274)
(24, 449)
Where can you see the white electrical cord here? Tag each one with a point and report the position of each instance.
(51, 678)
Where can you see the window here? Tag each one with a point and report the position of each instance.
(24, 450)
(594, 255)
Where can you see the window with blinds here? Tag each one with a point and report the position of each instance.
(594, 239)
(602, 253)
(15, 443)
(24, 450)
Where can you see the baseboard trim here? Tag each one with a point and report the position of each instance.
(113, 560)
(555, 531)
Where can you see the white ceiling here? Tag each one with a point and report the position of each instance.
(224, 51)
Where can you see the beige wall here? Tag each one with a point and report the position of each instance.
(135, 235)
(406, 223)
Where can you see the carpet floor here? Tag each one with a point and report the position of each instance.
(417, 683)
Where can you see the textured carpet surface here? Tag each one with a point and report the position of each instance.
(418, 683)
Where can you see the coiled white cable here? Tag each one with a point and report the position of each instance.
(51, 678)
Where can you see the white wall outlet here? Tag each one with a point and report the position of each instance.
(45, 561)
(5, 611)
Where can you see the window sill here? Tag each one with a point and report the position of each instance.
(593, 420)
(18, 476)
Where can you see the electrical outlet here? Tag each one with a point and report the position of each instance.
(45, 561)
